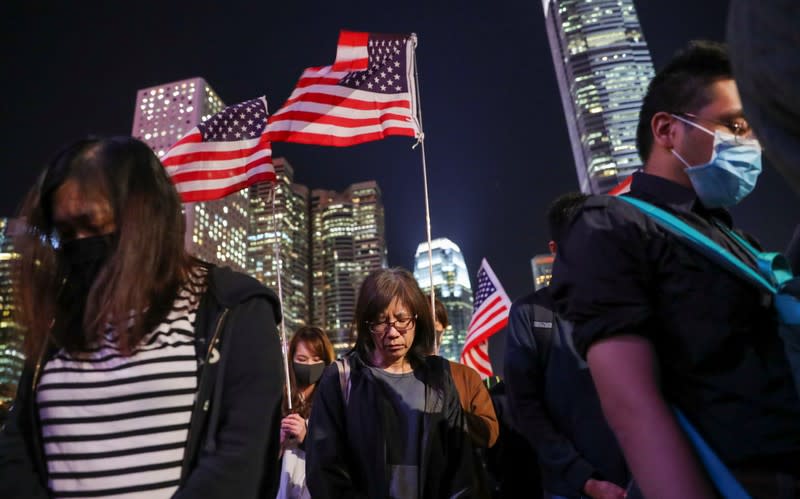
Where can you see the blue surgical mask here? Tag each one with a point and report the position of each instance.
(731, 173)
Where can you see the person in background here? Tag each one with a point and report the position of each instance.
(793, 252)
(147, 371)
(387, 420)
(551, 393)
(310, 351)
(478, 409)
(663, 326)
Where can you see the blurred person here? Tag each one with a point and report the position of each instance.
(475, 401)
(660, 324)
(147, 371)
(793, 251)
(551, 394)
(387, 420)
(310, 351)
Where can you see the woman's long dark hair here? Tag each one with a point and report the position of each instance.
(376, 293)
(317, 341)
(144, 272)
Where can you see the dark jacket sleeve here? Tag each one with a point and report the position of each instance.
(328, 472)
(793, 252)
(242, 460)
(565, 470)
(18, 476)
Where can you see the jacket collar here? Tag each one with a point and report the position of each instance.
(678, 198)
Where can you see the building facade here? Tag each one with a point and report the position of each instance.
(291, 227)
(347, 243)
(451, 286)
(216, 231)
(11, 358)
(603, 67)
(542, 267)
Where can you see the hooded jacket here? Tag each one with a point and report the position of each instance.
(346, 442)
(232, 447)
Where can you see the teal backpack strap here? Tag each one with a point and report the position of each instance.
(723, 479)
(702, 243)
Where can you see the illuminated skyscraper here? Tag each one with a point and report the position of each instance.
(451, 286)
(603, 68)
(293, 231)
(347, 243)
(11, 358)
(216, 231)
(542, 266)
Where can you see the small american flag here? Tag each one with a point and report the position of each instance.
(622, 188)
(366, 95)
(222, 155)
(489, 315)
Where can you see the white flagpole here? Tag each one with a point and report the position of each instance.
(276, 246)
(421, 143)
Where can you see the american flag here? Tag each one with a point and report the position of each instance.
(366, 95)
(222, 155)
(489, 315)
(622, 187)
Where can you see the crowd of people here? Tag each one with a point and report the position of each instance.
(647, 368)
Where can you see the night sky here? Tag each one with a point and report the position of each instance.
(497, 144)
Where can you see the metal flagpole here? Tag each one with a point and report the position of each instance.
(276, 246)
(421, 143)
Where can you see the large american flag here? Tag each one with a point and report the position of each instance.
(489, 315)
(367, 94)
(222, 155)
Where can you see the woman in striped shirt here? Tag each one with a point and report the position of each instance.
(149, 373)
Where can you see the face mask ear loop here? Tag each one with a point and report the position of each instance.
(675, 153)
(692, 123)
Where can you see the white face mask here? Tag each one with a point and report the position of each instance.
(731, 173)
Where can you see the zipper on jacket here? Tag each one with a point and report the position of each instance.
(215, 338)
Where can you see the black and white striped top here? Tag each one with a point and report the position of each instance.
(114, 425)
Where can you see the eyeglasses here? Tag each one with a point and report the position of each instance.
(739, 127)
(401, 325)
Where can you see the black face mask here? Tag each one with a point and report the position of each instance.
(80, 261)
(307, 374)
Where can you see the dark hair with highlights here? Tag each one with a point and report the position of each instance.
(376, 293)
(680, 87)
(147, 267)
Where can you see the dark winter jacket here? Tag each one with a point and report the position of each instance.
(232, 448)
(346, 443)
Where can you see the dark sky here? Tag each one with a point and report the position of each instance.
(497, 144)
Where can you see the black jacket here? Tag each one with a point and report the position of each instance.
(232, 448)
(554, 402)
(346, 443)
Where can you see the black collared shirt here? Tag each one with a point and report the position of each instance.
(715, 335)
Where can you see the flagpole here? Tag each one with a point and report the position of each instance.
(277, 255)
(421, 143)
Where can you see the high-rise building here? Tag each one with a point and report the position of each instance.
(603, 68)
(451, 286)
(291, 227)
(11, 358)
(347, 243)
(216, 231)
(542, 266)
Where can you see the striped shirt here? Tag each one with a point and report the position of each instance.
(115, 425)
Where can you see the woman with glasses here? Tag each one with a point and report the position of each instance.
(387, 421)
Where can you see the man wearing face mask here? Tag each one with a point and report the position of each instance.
(660, 324)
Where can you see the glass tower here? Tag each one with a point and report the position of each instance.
(451, 286)
(542, 266)
(347, 243)
(603, 68)
(293, 230)
(11, 358)
(216, 231)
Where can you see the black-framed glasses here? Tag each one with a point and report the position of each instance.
(401, 325)
(739, 127)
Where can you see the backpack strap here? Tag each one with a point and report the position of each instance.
(344, 377)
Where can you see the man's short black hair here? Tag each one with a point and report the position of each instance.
(680, 87)
(561, 212)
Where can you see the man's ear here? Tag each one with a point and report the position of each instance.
(664, 128)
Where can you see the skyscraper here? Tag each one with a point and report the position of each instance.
(347, 243)
(216, 231)
(293, 232)
(603, 68)
(452, 287)
(11, 358)
(542, 267)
